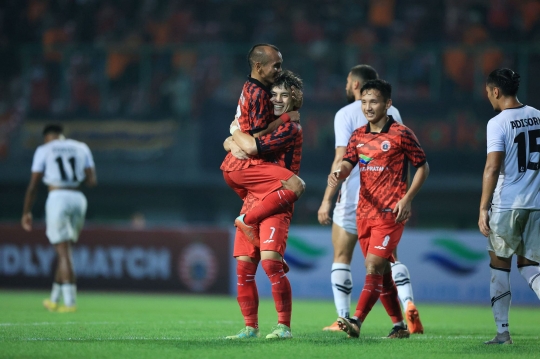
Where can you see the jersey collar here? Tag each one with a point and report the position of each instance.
(386, 127)
(258, 83)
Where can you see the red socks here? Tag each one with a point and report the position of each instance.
(273, 203)
(369, 296)
(248, 297)
(281, 289)
(390, 299)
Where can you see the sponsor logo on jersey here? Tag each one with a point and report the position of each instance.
(380, 247)
(385, 146)
(268, 241)
(360, 145)
(365, 159)
(373, 168)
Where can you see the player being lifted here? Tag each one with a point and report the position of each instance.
(382, 150)
(257, 174)
(344, 233)
(511, 182)
(63, 164)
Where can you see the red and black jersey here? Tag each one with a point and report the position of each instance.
(383, 159)
(254, 112)
(282, 146)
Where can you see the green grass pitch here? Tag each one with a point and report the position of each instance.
(120, 325)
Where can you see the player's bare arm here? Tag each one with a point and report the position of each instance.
(293, 116)
(29, 199)
(340, 174)
(230, 146)
(403, 207)
(91, 177)
(326, 205)
(489, 182)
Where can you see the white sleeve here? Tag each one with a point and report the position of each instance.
(397, 116)
(38, 164)
(89, 160)
(342, 129)
(495, 137)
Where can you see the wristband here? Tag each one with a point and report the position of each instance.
(285, 118)
(232, 129)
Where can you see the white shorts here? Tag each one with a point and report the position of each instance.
(515, 232)
(64, 213)
(345, 216)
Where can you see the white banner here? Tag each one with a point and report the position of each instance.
(445, 266)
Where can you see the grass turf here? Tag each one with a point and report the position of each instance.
(133, 326)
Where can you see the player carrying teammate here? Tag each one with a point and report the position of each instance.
(511, 182)
(63, 164)
(382, 150)
(257, 174)
(344, 233)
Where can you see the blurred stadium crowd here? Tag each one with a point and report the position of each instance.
(88, 56)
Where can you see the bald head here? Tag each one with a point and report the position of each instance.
(265, 63)
(261, 53)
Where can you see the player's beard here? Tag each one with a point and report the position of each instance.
(350, 96)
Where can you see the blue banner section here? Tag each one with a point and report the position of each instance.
(445, 267)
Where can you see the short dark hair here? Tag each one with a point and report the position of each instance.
(364, 72)
(53, 128)
(255, 54)
(384, 88)
(506, 80)
(287, 79)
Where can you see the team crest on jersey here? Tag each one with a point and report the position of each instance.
(385, 146)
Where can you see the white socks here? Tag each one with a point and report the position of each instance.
(55, 292)
(532, 276)
(69, 292)
(499, 290)
(402, 278)
(342, 285)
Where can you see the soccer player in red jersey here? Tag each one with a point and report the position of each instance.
(257, 174)
(285, 145)
(382, 149)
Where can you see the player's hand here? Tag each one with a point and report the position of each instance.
(483, 222)
(298, 97)
(237, 152)
(403, 210)
(324, 213)
(333, 178)
(294, 115)
(26, 221)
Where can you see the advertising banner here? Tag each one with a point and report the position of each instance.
(190, 260)
(445, 266)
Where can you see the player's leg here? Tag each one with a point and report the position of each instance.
(274, 231)
(240, 190)
(247, 294)
(402, 278)
(529, 253)
(501, 296)
(65, 274)
(343, 243)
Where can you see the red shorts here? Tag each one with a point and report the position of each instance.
(273, 232)
(379, 236)
(261, 180)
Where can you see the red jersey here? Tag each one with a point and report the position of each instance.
(254, 112)
(283, 146)
(383, 160)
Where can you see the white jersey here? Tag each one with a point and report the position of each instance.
(63, 162)
(516, 131)
(348, 119)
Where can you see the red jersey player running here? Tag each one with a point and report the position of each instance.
(258, 174)
(382, 150)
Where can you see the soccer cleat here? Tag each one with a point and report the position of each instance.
(413, 319)
(349, 326)
(281, 331)
(251, 232)
(246, 333)
(398, 332)
(50, 305)
(501, 338)
(334, 327)
(67, 309)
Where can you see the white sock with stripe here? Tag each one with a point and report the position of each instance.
(69, 291)
(501, 297)
(402, 278)
(55, 292)
(531, 273)
(342, 285)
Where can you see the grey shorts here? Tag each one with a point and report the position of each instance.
(515, 232)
